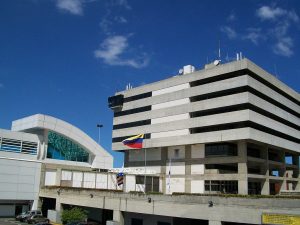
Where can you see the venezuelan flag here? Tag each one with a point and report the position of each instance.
(135, 141)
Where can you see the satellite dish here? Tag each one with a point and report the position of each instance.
(216, 62)
(180, 71)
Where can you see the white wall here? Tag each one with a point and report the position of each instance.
(197, 169)
(170, 118)
(19, 180)
(50, 178)
(176, 185)
(177, 168)
(170, 103)
(170, 133)
(197, 186)
(198, 151)
(170, 89)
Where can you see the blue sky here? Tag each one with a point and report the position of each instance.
(66, 57)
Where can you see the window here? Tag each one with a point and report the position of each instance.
(62, 148)
(163, 223)
(223, 149)
(135, 221)
(222, 186)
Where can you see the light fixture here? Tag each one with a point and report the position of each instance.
(91, 195)
(149, 200)
(59, 191)
(210, 204)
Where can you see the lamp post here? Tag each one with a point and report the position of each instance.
(99, 126)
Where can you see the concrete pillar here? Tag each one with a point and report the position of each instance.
(214, 222)
(265, 189)
(242, 168)
(58, 209)
(37, 204)
(164, 157)
(188, 154)
(118, 216)
(58, 177)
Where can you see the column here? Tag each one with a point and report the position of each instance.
(188, 178)
(265, 189)
(242, 168)
(118, 216)
(58, 209)
(58, 177)
(164, 157)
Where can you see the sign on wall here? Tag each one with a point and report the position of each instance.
(282, 219)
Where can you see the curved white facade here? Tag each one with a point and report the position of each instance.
(42, 124)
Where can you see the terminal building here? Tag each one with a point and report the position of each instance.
(32, 152)
(231, 128)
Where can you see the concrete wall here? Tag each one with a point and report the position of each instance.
(19, 180)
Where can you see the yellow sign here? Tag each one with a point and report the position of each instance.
(281, 219)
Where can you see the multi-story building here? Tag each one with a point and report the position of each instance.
(231, 128)
(33, 151)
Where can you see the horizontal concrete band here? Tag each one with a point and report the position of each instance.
(239, 210)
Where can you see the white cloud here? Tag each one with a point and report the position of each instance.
(112, 51)
(231, 17)
(284, 47)
(230, 32)
(122, 3)
(74, 7)
(274, 13)
(254, 35)
(267, 12)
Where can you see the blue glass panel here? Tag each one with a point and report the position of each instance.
(61, 148)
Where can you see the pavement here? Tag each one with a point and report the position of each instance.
(11, 221)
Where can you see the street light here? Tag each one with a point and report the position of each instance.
(99, 126)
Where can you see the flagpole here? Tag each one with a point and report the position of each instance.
(145, 169)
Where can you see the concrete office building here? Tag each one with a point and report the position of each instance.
(231, 128)
(31, 152)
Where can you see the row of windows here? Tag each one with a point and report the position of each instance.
(241, 90)
(243, 106)
(133, 111)
(224, 186)
(13, 145)
(243, 124)
(214, 111)
(241, 73)
(137, 97)
(224, 149)
(132, 124)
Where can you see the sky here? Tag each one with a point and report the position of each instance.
(64, 58)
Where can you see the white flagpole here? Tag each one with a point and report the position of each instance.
(145, 169)
(169, 177)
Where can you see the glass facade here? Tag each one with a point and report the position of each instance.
(62, 148)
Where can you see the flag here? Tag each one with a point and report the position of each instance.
(135, 141)
(120, 178)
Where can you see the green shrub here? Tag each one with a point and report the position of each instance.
(74, 214)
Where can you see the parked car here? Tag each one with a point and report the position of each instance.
(37, 219)
(30, 214)
(21, 216)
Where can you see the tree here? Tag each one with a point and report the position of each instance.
(74, 214)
